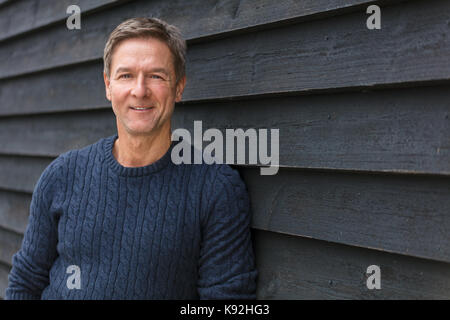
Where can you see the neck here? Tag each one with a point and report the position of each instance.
(140, 150)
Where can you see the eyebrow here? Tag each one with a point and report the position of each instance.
(122, 69)
(125, 69)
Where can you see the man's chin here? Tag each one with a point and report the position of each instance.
(143, 128)
(142, 132)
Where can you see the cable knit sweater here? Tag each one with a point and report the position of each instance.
(162, 231)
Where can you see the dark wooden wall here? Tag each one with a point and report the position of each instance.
(364, 120)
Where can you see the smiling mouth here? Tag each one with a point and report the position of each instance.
(141, 108)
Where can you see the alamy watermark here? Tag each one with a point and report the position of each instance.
(74, 280)
(74, 20)
(235, 140)
(374, 279)
(374, 20)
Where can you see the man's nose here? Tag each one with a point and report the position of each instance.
(140, 89)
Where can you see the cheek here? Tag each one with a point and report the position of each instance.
(163, 95)
(118, 95)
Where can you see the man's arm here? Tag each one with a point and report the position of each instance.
(31, 264)
(227, 265)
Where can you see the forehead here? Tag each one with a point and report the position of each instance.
(141, 53)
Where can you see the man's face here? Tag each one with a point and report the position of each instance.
(142, 86)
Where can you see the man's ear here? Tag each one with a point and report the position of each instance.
(107, 82)
(180, 88)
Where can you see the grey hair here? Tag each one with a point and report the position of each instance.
(148, 28)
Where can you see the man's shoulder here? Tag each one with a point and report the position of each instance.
(214, 173)
(222, 178)
(224, 189)
(223, 172)
(210, 171)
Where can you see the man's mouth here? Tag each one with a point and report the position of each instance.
(141, 108)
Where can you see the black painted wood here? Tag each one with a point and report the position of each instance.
(28, 15)
(4, 271)
(52, 134)
(58, 46)
(365, 177)
(10, 243)
(21, 173)
(402, 130)
(395, 213)
(78, 87)
(338, 53)
(14, 210)
(301, 268)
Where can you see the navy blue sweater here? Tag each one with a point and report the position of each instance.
(162, 231)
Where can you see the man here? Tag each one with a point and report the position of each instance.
(118, 219)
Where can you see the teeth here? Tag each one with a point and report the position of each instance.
(137, 108)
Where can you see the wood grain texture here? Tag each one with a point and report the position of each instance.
(78, 87)
(28, 15)
(403, 130)
(337, 53)
(10, 243)
(4, 271)
(365, 174)
(14, 210)
(300, 268)
(57, 46)
(52, 134)
(403, 214)
(21, 173)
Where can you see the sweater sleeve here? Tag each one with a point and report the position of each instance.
(31, 264)
(226, 266)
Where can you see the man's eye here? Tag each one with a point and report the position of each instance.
(125, 76)
(155, 76)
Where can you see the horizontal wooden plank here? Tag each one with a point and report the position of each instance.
(300, 268)
(10, 243)
(24, 16)
(52, 134)
(21, 173)
(338, 53)
(4, 272)
(398, 213)
(401, 130)
(14, 208)
(59, 46)
(78, 87)
(402, 214)
(335, 53)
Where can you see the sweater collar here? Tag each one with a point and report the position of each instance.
(156, 166)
